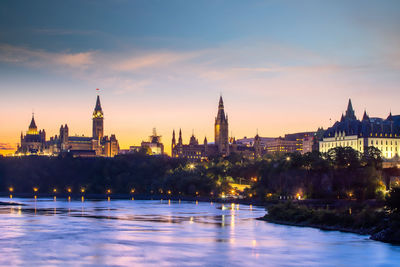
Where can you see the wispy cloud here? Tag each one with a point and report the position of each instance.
(155, 59)
(53, 31)
(254, 67)
(40, 58)
(7, 146)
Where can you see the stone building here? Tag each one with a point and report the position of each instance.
(80, 146)
(33, 142)
(383, 134)
(222, 146)
(154, 145)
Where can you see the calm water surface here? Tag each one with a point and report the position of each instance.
(163, 233)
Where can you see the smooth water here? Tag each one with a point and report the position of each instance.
(169, 233)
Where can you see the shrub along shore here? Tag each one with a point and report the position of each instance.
(360, 218)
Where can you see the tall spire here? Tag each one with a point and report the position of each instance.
(98, 121)
(98, 104)
(180, 137)
(32, 126)
(365, 116)
(33, 123)
(221, 111)
(98, 112)
(350, 111)
(221, 129)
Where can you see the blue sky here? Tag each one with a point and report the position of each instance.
(282, 66)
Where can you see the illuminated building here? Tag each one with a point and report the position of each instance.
(33, 142)
(303, 142)
(193, 150)
(306, 141)
(98, 145)
(221, 137)
(383, 134)
(281, 145)
(98, 121)
(222, 146)
(154, 146)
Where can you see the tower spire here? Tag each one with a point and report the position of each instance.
(180, 137)
(98, 121)
(365, 116)
(350, 114)
(221, 129)
(221, 111)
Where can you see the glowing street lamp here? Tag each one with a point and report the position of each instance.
(11, 189)
(82, 190)
(132, 190)
(191, 166)
(108, 192)
(69, 190)
(55, 190)
(35, 189)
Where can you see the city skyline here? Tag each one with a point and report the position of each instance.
(277, 79)
(186, 140)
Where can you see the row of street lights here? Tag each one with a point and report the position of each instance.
(69, 191)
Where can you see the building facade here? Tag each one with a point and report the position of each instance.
(34, 142)
(383, 134)
(154, 145)
(222, 146)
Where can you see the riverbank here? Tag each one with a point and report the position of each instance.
(356, 218)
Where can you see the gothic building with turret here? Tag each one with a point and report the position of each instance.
(34, 142)
(380, 133)
(222, 146)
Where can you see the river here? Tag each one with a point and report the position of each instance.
(45, 232)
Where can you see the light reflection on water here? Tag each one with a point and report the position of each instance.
(170, 233)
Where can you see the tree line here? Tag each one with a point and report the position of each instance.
(340, 173)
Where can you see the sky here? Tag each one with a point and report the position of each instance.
(281, 66)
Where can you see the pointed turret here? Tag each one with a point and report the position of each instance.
(205, 140)
(365, 116)
(173, 139)
(342, 118)
(350, 114)
(32, 126)
(193, 141)
(221, 112)
(33, 123)
(390, 117)
(180, 137)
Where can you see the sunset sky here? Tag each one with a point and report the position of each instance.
(281, 66)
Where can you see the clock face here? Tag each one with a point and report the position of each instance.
(97, 114)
